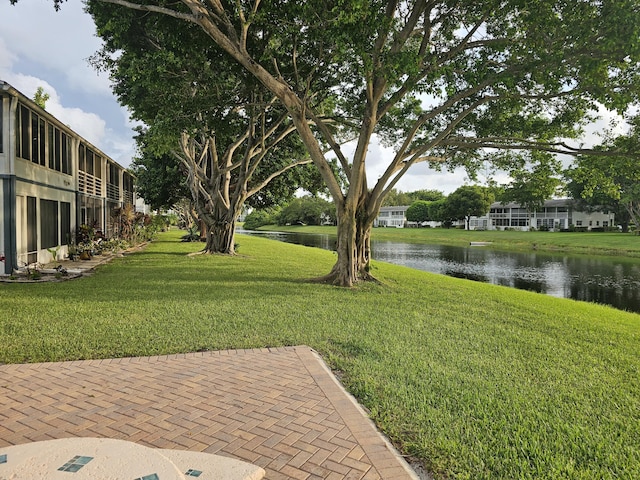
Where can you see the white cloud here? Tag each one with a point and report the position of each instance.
(121, 147)
(7, 58)
(88, 125)
(84, 77)
(59, 41)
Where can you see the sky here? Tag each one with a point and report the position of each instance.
(40, 47)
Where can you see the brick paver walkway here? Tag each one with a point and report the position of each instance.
(281, 409)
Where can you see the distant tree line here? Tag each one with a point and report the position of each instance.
(595, 183)
(307, 210)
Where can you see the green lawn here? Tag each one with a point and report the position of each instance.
(626, 244)
(477, 381)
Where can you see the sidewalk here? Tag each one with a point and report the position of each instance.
(280, 409)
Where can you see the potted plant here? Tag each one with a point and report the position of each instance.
(85, 251)
(73, 253)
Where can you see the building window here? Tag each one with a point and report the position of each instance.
(89, 162)
(32, 229)
(127, 187)
(57, 158)
(65, 223)
(34, 136)
(66, 153)
(38, 139)
(42, 141)
(578, 223)
(23, 142)
(114, 178)
(605, 223)
(35, 151)
(97, 166)
(50, 136)
(48, 224)
(1, 123)
(81, 162)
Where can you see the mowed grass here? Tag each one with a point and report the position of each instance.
(477, 381)
(610, 243)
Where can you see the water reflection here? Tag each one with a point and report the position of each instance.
(608, 280)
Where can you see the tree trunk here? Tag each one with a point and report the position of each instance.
(219, 223)
(221, 237)
(353, 249)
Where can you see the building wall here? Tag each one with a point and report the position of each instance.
(394, 217)
(51, 180)
(556, 215)
(3, 229)
(43, 208)
(593, 220)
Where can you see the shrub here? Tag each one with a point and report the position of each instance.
(257, 219)
(192, 235)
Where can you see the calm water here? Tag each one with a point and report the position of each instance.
(609, 280)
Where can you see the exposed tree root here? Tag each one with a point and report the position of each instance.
(208, 252)
(334, 278)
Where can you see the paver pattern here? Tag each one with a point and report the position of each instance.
(281, 409)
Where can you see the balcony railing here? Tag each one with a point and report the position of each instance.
(113, 192)
(128, 197)
(89, 184)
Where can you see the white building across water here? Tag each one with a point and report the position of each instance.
(559, 214)
(391, 217)
(51, 181)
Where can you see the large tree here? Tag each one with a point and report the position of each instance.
(531, 187)
(160, 180)
(427, 195)
(611, 182)
(231, 137)
(395, 198)
(438, 81)
(308, 210)
(418, 211)
(468, 201)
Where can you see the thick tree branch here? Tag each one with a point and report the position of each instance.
(154, 8)
(256, 189)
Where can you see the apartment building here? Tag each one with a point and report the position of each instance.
(51, 181)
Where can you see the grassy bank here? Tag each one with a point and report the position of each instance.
(625, 244)
(478, 381)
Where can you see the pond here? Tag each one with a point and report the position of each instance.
(613, 281)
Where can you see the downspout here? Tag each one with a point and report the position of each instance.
(9, 187)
